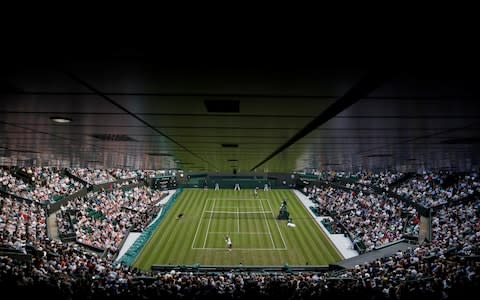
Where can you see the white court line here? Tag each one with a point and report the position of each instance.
(237, 213)
(222, 207)
(271, 210)
(198, 225)
(227, 232)
(238, 219)
(268, 227)
(243, 199)
(244, 249)
(208, 227)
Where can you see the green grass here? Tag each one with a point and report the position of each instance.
(257, 237)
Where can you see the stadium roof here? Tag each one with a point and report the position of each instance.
(127, 109)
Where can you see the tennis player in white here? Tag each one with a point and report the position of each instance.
(228, 240)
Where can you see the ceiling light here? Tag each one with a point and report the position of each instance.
(61, 120)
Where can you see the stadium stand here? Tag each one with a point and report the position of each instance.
(447, 266)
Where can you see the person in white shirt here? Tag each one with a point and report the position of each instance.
(228, 240)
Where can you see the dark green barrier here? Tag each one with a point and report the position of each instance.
(17, 256)
(129, 257)
(53, 207)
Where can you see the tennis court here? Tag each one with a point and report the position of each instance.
(249, 222)
(258, 238)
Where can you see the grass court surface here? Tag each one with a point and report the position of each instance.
(258, 238)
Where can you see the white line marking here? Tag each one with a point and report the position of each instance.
(239, 212)
(244, 249)
(208, 227)
(235, 199)
(225, 232)
(198, 225)
(238, 219)
(227, 207)
(283, 240)
(268, 227)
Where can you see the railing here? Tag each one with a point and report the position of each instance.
(131, 186)
(91, 247)
(401, 180)
(54, 207)
(22, 175)
(424, 211)
(465, 199)
(242, 268)
(18, 198)
(386, 245)
(75, 177)
(17, 256)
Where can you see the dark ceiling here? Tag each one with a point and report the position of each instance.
(130, 111)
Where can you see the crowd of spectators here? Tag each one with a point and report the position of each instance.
(52, 181)
(374, 219)
(102, 219)
(93, 176)
(441, 269)
(382, 180)
(432, 189)
(45, 185)
(445, 267)
(16, 186)
(21, 223)
(125, 173)
(458, 227)
(48, 184)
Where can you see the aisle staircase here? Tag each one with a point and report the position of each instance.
(52, 227)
